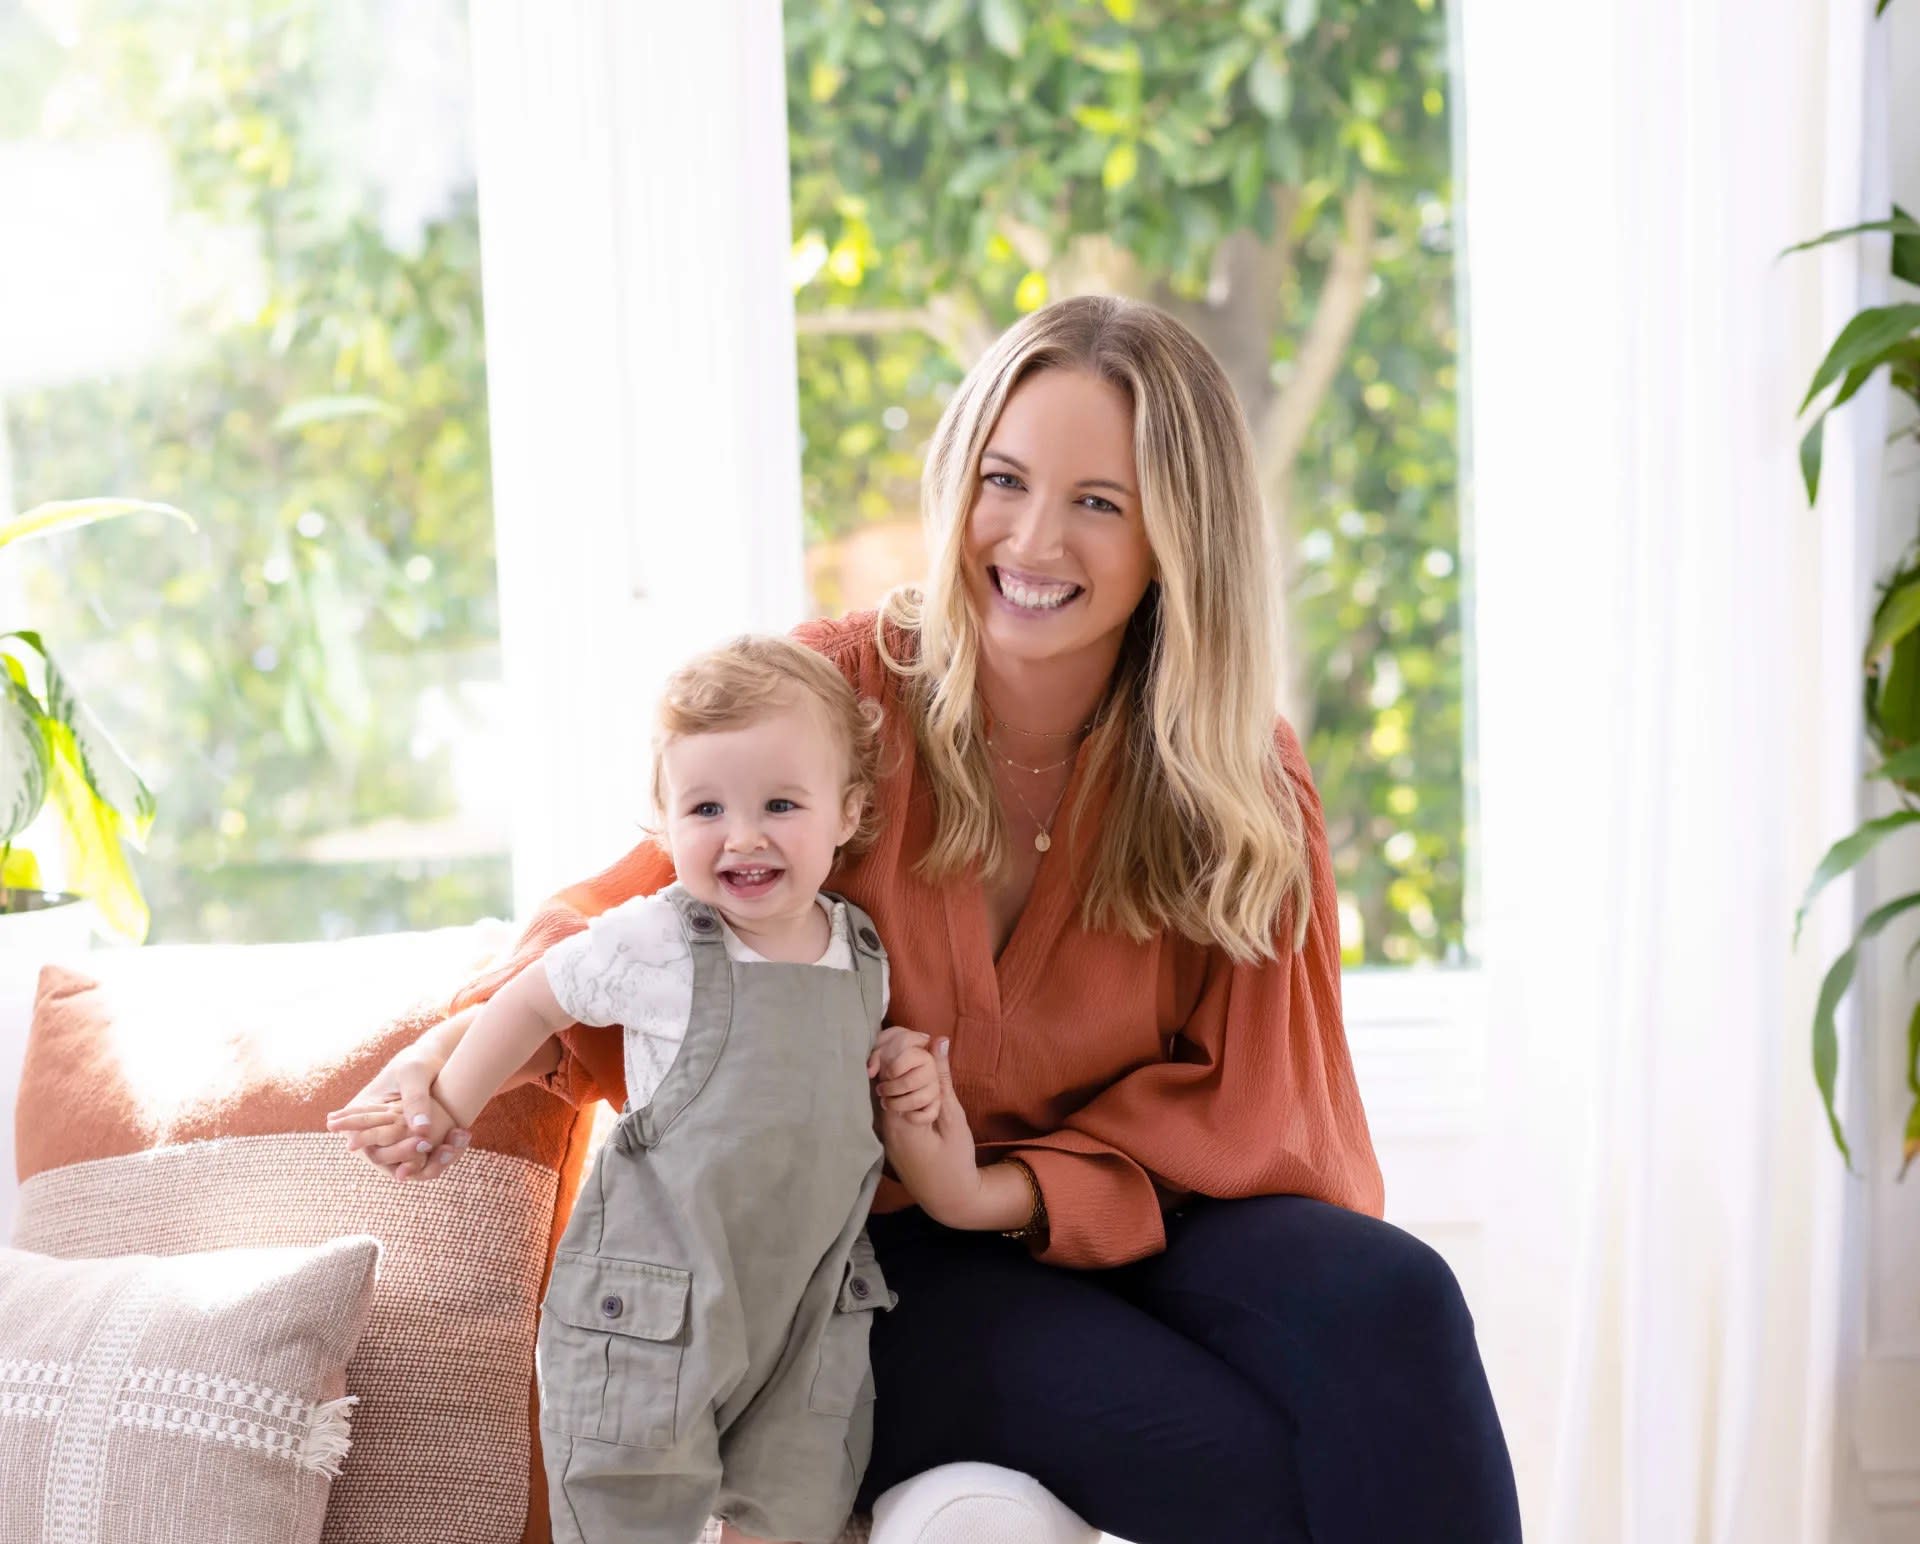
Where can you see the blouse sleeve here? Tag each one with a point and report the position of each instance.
(1259, 1099)
(592, 1060)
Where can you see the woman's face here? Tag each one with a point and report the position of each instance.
(1056, 549)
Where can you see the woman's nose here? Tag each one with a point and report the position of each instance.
(1036, 530)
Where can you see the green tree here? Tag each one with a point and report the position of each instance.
(1276, 174)
(323, 415)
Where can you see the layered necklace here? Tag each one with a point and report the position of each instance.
(1043, 829)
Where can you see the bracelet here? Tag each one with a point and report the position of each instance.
(1036, 1223)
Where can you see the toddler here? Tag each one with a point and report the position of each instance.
(703, 1343)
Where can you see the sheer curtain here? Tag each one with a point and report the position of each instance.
(1667, 647)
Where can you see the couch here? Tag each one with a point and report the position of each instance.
(172, 1100)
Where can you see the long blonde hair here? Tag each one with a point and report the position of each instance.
(1204, 833)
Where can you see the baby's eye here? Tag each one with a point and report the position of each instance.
(781, 806)
(707, 808)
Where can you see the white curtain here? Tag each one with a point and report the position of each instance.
(1666, 645)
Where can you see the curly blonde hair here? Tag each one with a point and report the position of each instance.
(755, 674)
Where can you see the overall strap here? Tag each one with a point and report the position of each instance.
(709, 1024)
(869, 960)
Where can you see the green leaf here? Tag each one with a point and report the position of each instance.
(1100, 120)
(1846, 852)
(320, 410)
(1900, 224)
(1120, 10)
(1897, 615)
(24, 757)
(1826, 1049)
(1121, 164)
(20, 870)
(1906, 248)
(1898, 768)
(67, 514)
(1005, 26)
(1810, 452)
(108, 772)
(91, 832)
(1268, 84)
(1870, 333)
(1301, 15)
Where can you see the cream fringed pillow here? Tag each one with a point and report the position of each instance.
(145, 1400)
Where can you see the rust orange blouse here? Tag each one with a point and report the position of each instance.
(1126, 1074)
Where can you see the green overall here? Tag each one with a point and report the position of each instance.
(703, 1344)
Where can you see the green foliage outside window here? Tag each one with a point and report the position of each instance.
(1276, 173)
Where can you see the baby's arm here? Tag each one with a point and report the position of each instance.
(512, 1025)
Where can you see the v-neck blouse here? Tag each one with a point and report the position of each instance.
(1127, 1074)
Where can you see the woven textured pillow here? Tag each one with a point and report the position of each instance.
(145, 1400)
(174, 1100)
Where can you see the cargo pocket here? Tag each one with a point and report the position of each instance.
(844, 1379)
(612, 1341)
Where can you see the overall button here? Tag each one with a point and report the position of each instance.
(859, 1287)
(870, 938)
(612, 1305)
(701, 922)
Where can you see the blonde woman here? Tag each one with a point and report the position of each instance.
(1139, 1254)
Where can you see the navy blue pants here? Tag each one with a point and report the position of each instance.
(1287, 1370)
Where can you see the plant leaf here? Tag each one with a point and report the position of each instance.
(1826, 1048)
(91, 832)
(1005, 27)
(1869, 333)
(66, 514)
(1906, 249)
(24, 757)
(1900, 766)
(1902, 224)
(108, 772)
(1810, 452)
(1896, 616)
(1848, 851)
(319, 410)
(20, 870)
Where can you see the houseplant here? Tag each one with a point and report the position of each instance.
(54, 752)
(1880, 337)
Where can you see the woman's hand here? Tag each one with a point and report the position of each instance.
(406, 1081)
(936, 1162)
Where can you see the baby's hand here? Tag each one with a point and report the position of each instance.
(907, 1082)
(383, 1123)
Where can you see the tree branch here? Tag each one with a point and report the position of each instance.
(1343, 297)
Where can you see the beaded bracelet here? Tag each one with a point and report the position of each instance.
(1036, 1223)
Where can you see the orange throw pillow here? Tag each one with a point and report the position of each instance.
(174, 1100)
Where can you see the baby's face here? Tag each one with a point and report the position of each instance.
(754, 814)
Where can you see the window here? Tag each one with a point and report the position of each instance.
(242, 277)
(1278, 175)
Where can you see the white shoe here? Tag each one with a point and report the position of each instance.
(975, 1504)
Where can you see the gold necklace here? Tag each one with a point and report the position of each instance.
(1021, 766)
(1043, 834)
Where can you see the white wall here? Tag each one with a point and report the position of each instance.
(1886, 1234)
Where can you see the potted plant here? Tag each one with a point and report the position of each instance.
(1880, 337)
(54, 754)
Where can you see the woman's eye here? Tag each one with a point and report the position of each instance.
(1104, 506)
(781, 806)
(1003, 479)
(707, 808)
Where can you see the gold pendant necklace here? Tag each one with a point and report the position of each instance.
(1042, 837)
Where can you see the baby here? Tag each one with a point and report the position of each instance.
(703, 1344)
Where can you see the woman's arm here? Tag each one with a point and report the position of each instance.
(1261, 1098)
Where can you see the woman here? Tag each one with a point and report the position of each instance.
(1104, 884)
